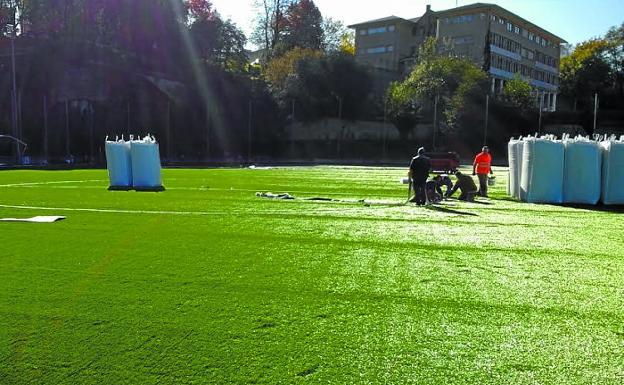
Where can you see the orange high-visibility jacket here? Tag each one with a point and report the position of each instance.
(483, 161)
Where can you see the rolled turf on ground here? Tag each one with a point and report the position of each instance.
(206, 283)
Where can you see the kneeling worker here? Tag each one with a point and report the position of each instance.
(466, 185)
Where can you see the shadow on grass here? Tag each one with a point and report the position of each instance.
(449, 211)
(618, 209)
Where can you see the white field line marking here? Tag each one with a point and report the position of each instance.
(29, 184)
(319, 193)
(162, 212)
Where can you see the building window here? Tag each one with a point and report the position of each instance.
(537, 39)
(525, 33)
(376, 50)
(390, 48)
(372, 31)
(517, 30)
(509, 26)
(544, 42)
(531, 36)
(501, 21)
(531, 55)
(391, 28)
(362, 32)
(463, 40)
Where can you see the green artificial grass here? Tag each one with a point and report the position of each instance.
(208, 284)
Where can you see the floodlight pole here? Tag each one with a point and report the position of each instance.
(45, 128)
(595, 111)
(14, 94)
(385, 129)
(435, 120)
(541, 103)
(487, 116)
(249, 133)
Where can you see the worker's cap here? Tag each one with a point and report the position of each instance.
(485, 149)
(421, 151)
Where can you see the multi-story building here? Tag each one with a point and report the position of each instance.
(502, 43)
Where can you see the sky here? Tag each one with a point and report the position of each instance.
(572, 20)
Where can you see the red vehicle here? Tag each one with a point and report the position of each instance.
(443, 162)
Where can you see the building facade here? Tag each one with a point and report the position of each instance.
(502, 43)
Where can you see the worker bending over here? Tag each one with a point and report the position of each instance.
(466, 185)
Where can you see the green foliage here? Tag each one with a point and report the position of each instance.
(331, 85)
(303, 26)
(457, 82)
(517, 92)
(586, 71)
(280, 68)
(219, 43)
(401, 108)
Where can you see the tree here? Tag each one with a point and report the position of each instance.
(327, 86)
(586, 71)
(347, 43)
(615, 58)
(279, 69)
(402, 109)
(458, 85)
(270, 24)
(333, 33)
(303, 26)
(219, 43)
(517, 92)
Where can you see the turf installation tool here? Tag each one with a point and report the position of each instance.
(134, 164)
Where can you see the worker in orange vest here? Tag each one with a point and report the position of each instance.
(482, 166)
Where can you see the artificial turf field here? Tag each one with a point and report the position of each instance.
(208, 284)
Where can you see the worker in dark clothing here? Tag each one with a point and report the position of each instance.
(418, 174)
(432, 191)
(466, 184)
(443, 180)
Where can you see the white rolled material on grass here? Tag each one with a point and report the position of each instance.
(613, 172)
(146, 169)
(542, 170)
(119, 164)
(582, 171)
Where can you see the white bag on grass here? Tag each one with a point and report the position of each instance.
(146, 169)
(119, 164)
(542, 171)
(515, 148)
(582, 171)
(613, 172)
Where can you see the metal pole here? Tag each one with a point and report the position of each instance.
(595, 111)
(435, 120)
(541, 103)
(249, 134)
(385, 129)
(14, 95)
(487, 116)
(292, 130)
(168, 127)
(66, 129)
(91, 133)
(45, 128)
